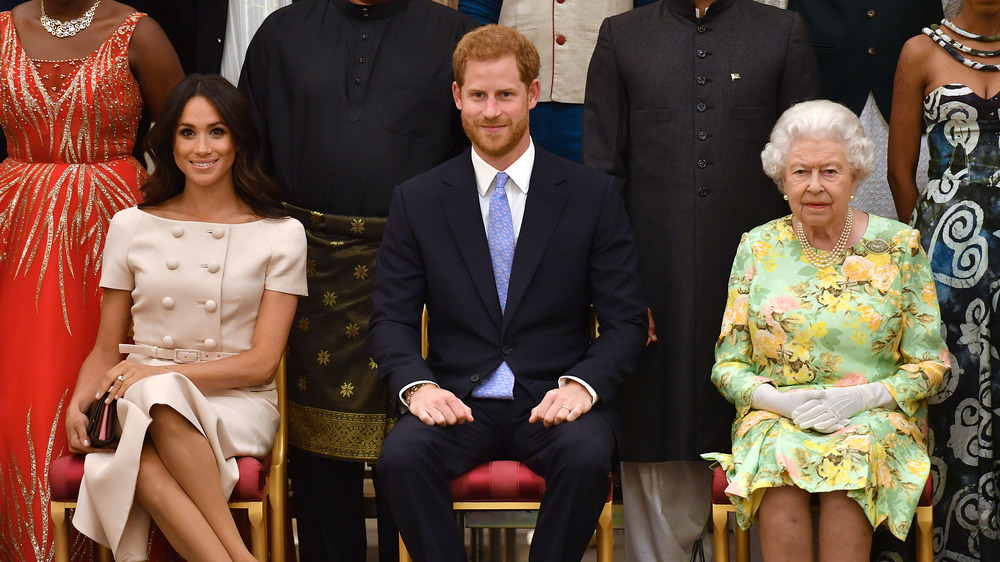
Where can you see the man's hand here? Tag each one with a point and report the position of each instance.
(564, 404)
(651, 334)
(436, 406)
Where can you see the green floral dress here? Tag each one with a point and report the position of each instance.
(874, 317)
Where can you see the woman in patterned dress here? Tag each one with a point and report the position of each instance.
(830, 347)
(74, 80)
(948, 85)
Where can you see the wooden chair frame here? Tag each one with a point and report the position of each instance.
(271, 506)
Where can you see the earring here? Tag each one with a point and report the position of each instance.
(785, 197)
(852, 197)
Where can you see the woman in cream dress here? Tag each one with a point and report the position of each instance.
(207, 271)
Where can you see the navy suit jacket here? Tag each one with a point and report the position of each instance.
(575, 249)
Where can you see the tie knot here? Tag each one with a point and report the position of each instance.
(502, 178)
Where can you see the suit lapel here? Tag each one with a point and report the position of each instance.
(546, 198)
(465, 218)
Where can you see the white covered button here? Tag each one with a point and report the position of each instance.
(177, 231)
(213, 267)
(218, 233)
(211, 305)
(168, 303)
(168, 342)
(210, 344)
(173, 263)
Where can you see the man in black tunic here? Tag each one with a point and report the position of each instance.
(352, 97)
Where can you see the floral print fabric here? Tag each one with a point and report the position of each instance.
(872, 318)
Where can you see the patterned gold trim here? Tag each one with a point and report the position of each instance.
(342, 435)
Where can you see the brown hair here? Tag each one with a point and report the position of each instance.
(491, 42)
(251, 184)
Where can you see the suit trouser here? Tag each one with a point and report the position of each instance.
(418, 462)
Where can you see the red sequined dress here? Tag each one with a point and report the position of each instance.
(70, 127)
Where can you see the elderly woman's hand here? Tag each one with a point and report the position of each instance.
(838, 405)
(769, 398)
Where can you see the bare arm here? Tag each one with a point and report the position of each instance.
(154, 64)
(905, 126)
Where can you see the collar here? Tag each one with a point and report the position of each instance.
(685, 9)
(519, 171)
(374, 12)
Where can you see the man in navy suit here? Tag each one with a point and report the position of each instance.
(509, 247)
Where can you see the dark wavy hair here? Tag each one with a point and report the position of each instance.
(252, 185)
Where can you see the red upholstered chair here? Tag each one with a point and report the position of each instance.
(508, 492)
(722, 507)
(260, 490)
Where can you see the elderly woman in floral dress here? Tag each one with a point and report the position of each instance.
(830, 346)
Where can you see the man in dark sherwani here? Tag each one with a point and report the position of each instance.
(681, 97)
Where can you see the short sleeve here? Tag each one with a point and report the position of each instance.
(286, 270)
(115, 270)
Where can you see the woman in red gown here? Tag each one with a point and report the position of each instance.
(75, 75)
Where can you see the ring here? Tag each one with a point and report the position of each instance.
(567, 408)
(121, 378)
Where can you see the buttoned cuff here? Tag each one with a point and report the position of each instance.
(593, 393)
(402, 392)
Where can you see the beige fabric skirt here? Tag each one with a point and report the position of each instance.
(236, 422)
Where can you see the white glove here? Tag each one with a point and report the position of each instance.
(839, 404)
(766, 397)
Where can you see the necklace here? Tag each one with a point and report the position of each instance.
(962, 46)
(834, 255)
(69, 28)
(969, 35)
(974, 65)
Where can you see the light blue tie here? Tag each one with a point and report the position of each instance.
(500, 232)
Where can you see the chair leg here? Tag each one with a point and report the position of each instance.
(276, 504)
(742, 543)
(60, 536)
(510, 545)
(925, 534)
(720, 530)
(258, 531)
(605, 538)
(404, 556)
(477, 545)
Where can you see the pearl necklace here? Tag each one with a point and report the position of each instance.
(69, 28)
(833, 255)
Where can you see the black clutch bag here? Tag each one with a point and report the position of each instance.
(102, 428)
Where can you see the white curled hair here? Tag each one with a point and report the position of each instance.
(818, 119)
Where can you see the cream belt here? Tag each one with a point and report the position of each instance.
(175, 355)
